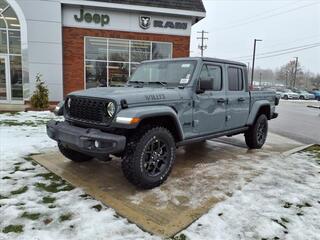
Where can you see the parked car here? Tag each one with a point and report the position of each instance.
(288, 94)
(304, 95)
(316, 94)
(165, 104)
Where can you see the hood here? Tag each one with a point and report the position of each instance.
(132, 95)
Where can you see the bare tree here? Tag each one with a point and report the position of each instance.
(315, 81)
(286, 74)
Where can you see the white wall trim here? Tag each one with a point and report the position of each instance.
(136, 8)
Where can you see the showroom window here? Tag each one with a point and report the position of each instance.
(109, 62)
(11, 87)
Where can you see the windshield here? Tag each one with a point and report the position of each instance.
(164, 72)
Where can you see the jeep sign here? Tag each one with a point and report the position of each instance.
(102, 19)
(126, 21)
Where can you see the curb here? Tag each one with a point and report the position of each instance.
(298, 149)
(312, 106)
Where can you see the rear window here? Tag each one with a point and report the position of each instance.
(235, 79)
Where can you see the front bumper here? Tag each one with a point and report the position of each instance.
(89, 141)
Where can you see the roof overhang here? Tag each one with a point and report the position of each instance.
(195, 15)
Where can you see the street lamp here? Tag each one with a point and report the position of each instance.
(254, 59)
(295, 71)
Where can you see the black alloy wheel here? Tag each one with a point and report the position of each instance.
(149, 157)
(156, 156)
(256, 135)
(262, 129)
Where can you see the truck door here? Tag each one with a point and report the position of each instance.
(210, 104)
(238, 97)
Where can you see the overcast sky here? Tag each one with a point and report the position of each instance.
(281, 24)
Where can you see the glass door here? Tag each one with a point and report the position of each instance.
(3, 80)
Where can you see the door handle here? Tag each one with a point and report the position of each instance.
(221, 100)
(241, 99)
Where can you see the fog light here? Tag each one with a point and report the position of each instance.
(96, 144)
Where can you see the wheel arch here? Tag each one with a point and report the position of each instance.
(258, 108)
(155, 115)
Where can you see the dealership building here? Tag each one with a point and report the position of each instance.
(79, 44)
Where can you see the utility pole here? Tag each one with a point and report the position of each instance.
(202, 47)
(295, 72)
(254, 59)
(286, 79)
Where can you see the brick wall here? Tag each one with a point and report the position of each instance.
(73, 51)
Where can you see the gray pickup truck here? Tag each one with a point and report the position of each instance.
(164, 105)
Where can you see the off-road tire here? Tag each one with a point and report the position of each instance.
(134, 159)
(256, 135)
(73, 155)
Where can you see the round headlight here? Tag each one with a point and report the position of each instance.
(69, 102)
(111, 108)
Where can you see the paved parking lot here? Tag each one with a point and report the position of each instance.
(297, 121)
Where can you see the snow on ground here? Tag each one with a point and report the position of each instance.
(301, 101)
(39, 204)
(283, 202)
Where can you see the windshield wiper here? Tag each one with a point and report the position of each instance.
(159, 82)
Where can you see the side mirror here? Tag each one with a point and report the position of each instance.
(205, 85)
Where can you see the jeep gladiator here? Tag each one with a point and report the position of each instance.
(164, 105)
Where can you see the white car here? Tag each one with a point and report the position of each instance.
(304, 95)
(288, 94)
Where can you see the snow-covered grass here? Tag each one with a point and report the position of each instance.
(281, 202)
(35, 204)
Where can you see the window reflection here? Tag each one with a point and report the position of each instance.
(11, 18)
(16, 77)
(96, 49)
(119, 50)
(96, 74)
(110, 62)
(10, 48)
(3, 41)
(118, 74)
(14, 42)
(161, 50)
(3, 86)
(140, 51)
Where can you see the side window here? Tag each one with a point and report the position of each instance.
(235, 79)
(215, 72)
(204, 77)
(204, 72)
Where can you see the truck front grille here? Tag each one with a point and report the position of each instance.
(87, 110)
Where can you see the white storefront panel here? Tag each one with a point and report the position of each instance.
(109, 19)
(44, 48)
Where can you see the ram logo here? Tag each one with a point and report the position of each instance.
(145, 22)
